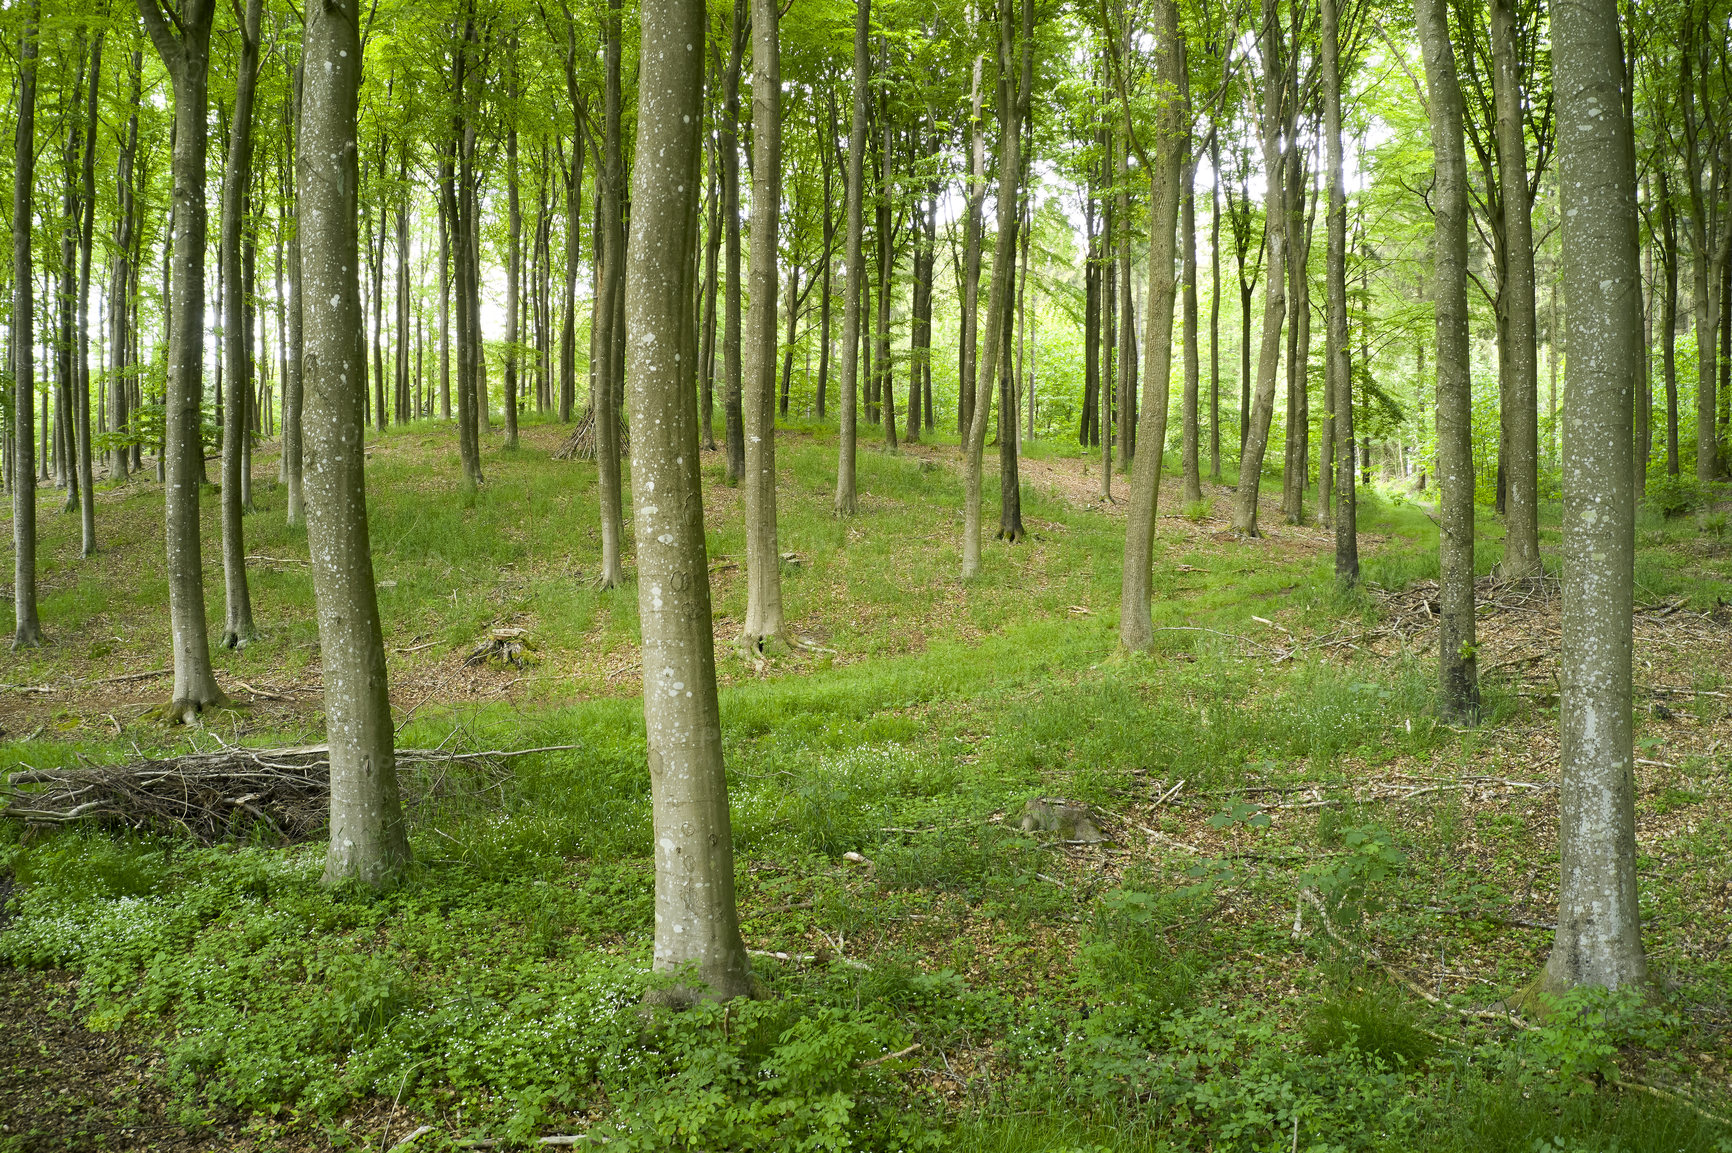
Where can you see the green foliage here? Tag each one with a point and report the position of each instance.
(1674, 496)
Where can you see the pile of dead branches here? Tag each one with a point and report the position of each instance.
(230, 791)
(580, 445)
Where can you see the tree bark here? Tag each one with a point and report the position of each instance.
(293, 378)
(734, 426)
(1166, 174)
(1256, 434)
(1599, 936)
(86, 236)
(1338, 371)
(513, 276)
(120, 279)
(1189, 464)
(697, 935)
(607, 454)
(851, 306)
(1709, 248)
(1011, 104)
(1519, 410)
(238, 627)
(1214, 309)
(27, 626)
(369, 843)
(763, 627)
(707, 321)
(968, 353)
(186, 56)
(1668, 318)
(1457, 667)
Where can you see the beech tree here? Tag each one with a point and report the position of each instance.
(697, 934)
(27, 628)
(369, 843)
(182, 39)
(1599, 934)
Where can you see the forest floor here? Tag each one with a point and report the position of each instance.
(1312, 910)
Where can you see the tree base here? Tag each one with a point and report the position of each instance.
(186, 711)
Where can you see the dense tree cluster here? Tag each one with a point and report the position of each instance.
(1014, 221)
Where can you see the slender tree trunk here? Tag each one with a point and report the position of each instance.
(707, 325)
(968, 353)
(611, 344)
(1166, 190)
(1088, 428)
(734, 427)
(1456, 643)
(86, 236)
(826, 161)
(697, 928)
(1338, 373)
(883, 387)
(1519, 410)
(293, 378)
(185, 52)
(1011, 104)
(1214, 309)
(120, 280)
(852, 303)
(1188, 452)
(238, 627)
(568, 308)
(1708, 248)
(27, 630)
(1256, 442)
(369, 843)
(763, 625)
(1668, 319)
(513, 278)
(1599, 936)
(404, 403)
(444, 297)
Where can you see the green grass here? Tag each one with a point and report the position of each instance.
(1138, 997)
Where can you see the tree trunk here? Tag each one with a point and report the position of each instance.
(292, 379)
(86, 237)
(1214, 309)
(1599, 936)
(1668, 319)
(120, 279)
(27, 630)
(697, 935)
(568, 308)
(369, 843)
(851, 306)
(444, 296)
(186, 56)
(968, 353)
(1166, 176)
(1708, 248)
(1256, 433)
(1188, 451)
(1338, 372)
(734, 427)
(238, 627)
(1519, 407)
(1457, 668)
(513, 278)
(707, 324)
(404, 402)
(826, 163)
(1011, 104)
(884, 388)
(763, 627)
(611, 344)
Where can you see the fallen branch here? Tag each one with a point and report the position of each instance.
(222, 793)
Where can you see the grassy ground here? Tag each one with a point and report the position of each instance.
(945, 980)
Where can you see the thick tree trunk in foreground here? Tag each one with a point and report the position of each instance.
(763, 561)
(697, 934)
(186, 57)
(856, 273)
(1599, 937)
(1166, 175)
(1338, 378)
(27, 628)
(1519, 409)
(1457, 667)
(1256, 431)
(238, 627)
(369, 843)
